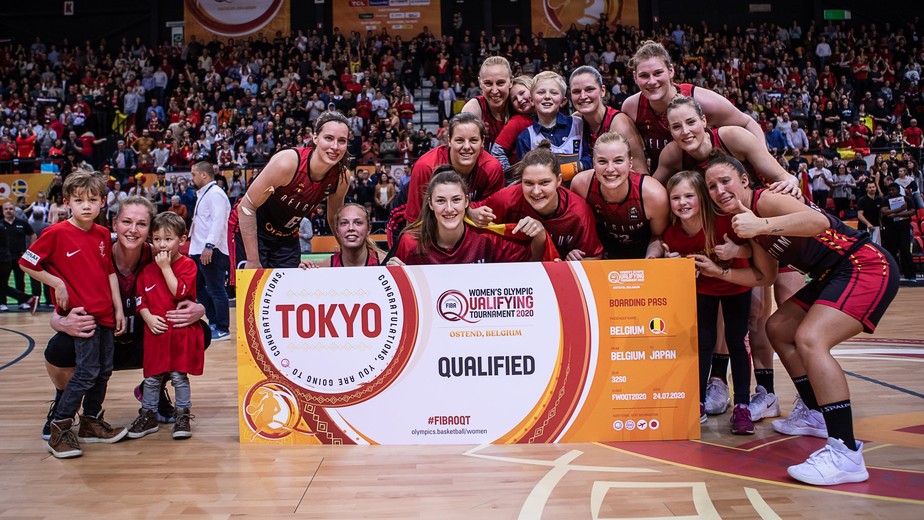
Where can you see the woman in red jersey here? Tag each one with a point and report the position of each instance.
(586, 86)
(693, 145)
(491, 106)
(853, 282)
(351, 230)
(654, 75)
(466, 154)
(441, 235)
(540, 195)
(696, 230)
(630, 208)
(290, 187)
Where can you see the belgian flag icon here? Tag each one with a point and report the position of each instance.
(657, 326)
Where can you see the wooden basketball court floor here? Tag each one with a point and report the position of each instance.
(212, 475)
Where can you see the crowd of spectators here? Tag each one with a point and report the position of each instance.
(839, 89)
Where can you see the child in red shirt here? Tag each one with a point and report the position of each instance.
(74, 258)
(161, 285)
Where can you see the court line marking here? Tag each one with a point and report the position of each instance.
(745, 450)
(883, 383)
(760, 505)
(28, 351)
(764, 481)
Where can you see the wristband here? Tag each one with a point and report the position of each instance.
(724, 271)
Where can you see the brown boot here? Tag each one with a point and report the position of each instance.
(95, 429)
(63, 443)
(145, 423)
(181, 428)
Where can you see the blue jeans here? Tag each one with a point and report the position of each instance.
(151, 392)
(210, 289)
(91, 375)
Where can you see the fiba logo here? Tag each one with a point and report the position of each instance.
(657, 326)
(630, 425)
(631, 276)
(452, 305)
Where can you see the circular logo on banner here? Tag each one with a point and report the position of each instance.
(271, 410)
(235, 18)
(339, 339)
(20, 188)
(453, 306)
(4, 190)
(561, 15)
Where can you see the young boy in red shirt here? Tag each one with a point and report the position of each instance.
(161, 285)
(74, 258)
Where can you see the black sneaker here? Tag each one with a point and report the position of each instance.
(182, 428)
(144, 424)
(46, 430)
(165, 409)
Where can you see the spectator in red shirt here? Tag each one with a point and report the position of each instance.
(913, 136)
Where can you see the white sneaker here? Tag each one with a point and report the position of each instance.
(4, 308)
(763, 404)
(832, 465)
(802, 421)
(717, 399)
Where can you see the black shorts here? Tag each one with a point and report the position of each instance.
(275, 252)
(127, 356)
(861, 286)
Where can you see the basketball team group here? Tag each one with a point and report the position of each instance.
(678, 172)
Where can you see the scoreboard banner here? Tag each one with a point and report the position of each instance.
(553, 18)
(405, 18)
(469, 354)
(241, 18)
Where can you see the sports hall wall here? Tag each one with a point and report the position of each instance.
(114, 19)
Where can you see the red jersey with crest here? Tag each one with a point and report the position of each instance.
(178, 349)
(679, 242)
(371, 259)
(653, 127)
(477, 246)
(280, 215)
(811, 255)
(492, 125)
(622, 226)
(485, 178)
(572, 226)
(134, 324)
(83, 260)
(590, 137)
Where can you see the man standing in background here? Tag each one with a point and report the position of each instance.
(209, 248)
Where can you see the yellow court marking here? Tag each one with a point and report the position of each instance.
(745, 450)
(765, 481)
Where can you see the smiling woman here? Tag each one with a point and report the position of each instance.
(267, 227)
(441, 236)
(466, 154)
(540, 195)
